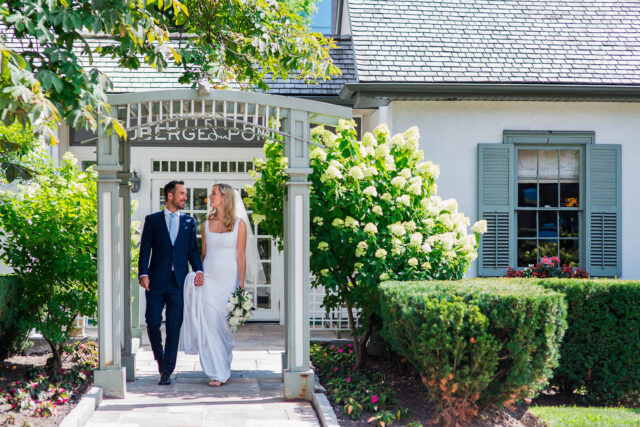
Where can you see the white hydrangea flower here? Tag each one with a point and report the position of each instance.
(323, 246)
(356, 172)
(336, 164)
(397, 140)
(415, 189)
(398, 181)
(368, 140)
(382, 151)
(410, 225)
(397, 229)
(324, 272)
(361, 248)
(447, 240)
(369, 151)
(413, 262)
(345, 125)
(381, 253)
(384, 276)
(405, 173)
(426, 247)
(418, 155)
(426, 265)
(358, 265)
(390, 163)
(429, 168)
(318, 130)
(370, 191)
(284, 162)
(334, 173)
(337, 222)
(412, 132)
(351, 222)
(416, 180)
(396, 242)
(468, 243)
(411, 143)
(479, 226)
(386, 197)
(397, 250)
(258, 218)
(445, 219)
(318, 220)
(370, 228)
(377, 210)
(319, 154)
(70, 158)
(415, 239)
(449, 205)
(381, 131)
(429, 222)
(405, 199)
(330, 139)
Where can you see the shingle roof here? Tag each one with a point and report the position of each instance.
(497, 41)
(147, 78)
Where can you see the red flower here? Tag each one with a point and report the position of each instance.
(374, 399)
(348, 379)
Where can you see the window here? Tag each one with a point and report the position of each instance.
(322, 20)
(548, 213)
(549, 194)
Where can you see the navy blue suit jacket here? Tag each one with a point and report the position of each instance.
(157, 255)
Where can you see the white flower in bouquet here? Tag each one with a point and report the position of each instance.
(233, 322)
(247, 304)
(230, 307)
(238, 312)
(479, 226)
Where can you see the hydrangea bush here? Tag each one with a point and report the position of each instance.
(375, 216)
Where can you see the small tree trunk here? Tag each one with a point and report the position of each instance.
(55, 363)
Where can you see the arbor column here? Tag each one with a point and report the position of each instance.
(298, 377)
(130, 344)
(110, 375)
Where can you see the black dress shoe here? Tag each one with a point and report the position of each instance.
(165, 379)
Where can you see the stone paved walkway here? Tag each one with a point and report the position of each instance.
(252, 397)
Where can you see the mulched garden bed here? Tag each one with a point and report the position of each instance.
(17, 368)
(410, 394)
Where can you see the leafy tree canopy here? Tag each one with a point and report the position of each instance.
(220, 41)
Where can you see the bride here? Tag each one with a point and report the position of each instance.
(230, 255)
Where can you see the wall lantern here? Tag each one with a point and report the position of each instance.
(135, 182)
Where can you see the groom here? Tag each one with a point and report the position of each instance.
(168, 243)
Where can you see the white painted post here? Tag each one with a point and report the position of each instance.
(298, 377)
(109, 375)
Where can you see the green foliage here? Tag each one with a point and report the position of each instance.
(222, 41)
(600, 353)
(16, 142)
(375, 216)
(474, 342)
(50, 241)
(357, 390)
(12, 334)
(575, 416)
(303, 8)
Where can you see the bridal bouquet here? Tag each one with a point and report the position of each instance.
(239, 308)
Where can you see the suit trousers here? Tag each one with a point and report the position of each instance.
(169, 296)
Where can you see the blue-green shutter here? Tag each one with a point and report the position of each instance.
(603, 210)
(496, 205)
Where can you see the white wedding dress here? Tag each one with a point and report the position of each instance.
(205, 329)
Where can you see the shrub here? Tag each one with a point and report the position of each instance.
(548, 267)
(374, 216)
(474, 342)
(13, 335)
(601, 349)
(50, 242)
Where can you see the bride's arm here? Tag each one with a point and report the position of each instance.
(204, 241)
(241, 256)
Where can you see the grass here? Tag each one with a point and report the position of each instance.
(556, 416)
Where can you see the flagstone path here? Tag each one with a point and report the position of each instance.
(252, 397)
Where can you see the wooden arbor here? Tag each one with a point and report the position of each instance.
(165, 114)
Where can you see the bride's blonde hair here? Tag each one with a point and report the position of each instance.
(228, 206)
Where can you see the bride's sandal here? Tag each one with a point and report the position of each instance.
(214, 383)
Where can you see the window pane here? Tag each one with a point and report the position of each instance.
(199, 198)
(570, 194)
(198, 166)
(200, 219)
(568, 224)
(216, 166)
(189, 166)
(526, 224)
(223, 166)
(548, 195)
(263, 297)
(181, 166)
(527, 195)
(232, 166)
(527, 253)
(548, 248)
(570, 164)
(174, 166)
(548, 168)
(547, 224)
(207, 166)
(527, 164)
(264, 247)
(156, 166)
(570, 252)
(266, 266)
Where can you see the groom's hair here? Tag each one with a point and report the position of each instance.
(170, 188)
